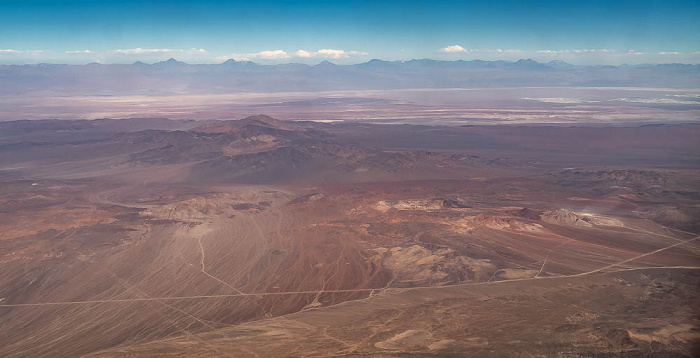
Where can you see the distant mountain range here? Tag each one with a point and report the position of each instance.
(176, 77)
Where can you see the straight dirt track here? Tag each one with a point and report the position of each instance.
(260, 294)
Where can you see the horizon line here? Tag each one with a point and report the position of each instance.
(529, 60)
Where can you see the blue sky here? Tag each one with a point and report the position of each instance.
(206, 31)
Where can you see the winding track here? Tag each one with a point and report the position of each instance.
(204, 269)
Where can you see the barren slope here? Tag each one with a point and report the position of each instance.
(260, 237)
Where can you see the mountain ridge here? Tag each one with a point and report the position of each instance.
(176, 77)
(374, 61)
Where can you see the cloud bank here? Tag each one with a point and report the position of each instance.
(281, 54)
(453, 49)
(142, 51)
(576, 56)
(10, 51)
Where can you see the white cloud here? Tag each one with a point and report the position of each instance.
(587, 56)
(79, 52)
(331, 53)
(493, 51)
(453, 49)
(280, 54)
(142, 51)
(19, 52)
(567, 53)
(510, 51)
(271, 55)
(590, 50)
(263, 55)
(460, 49)
(574, 51)
(302, 53)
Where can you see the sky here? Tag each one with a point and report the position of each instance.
(345, 32)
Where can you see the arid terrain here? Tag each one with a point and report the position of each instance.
(259, 237)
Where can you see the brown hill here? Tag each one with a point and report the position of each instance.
(215, 139)
(564, 217)
(261, 149)
(252, 125)
(320, 161)
(527, 214)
